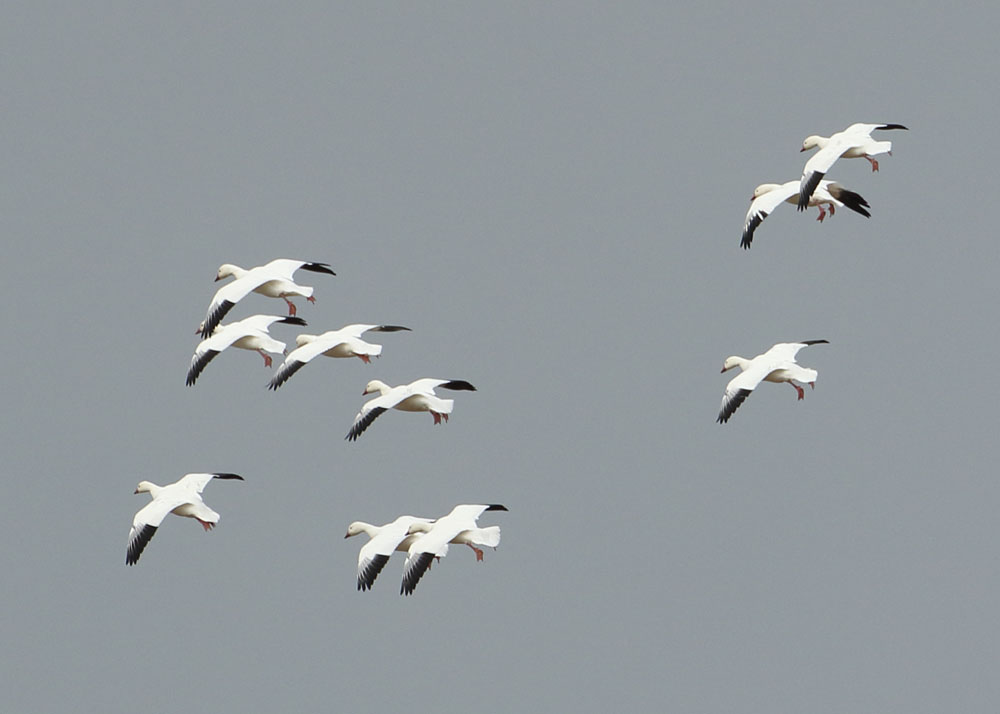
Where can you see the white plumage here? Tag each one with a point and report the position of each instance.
(250, 333)
(342, 343)
(776, 365)
(416, 396)
(182, 498)
(460, 527)
(853, 142)
(273, 280)
(768, 196)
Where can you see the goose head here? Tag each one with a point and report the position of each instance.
(376, 386)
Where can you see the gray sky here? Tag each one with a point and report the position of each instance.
(551, 196)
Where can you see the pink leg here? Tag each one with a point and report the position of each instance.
(833, 209)
(205, 524)
(311, 299)
(800, 390)
(437, 417)
(873, 162)
(822, 214)
(364, 358)
(266, 356)
(813, 385)
(479, 553)
(445, 417)
(291, 306)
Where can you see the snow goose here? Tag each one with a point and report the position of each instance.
(768, 196)
(273, 280)
(247, 334)
(459, 526)
(416, 396)
(182, 498)
(776, 365)
(384, 541)
(345, 342)
(853, 142)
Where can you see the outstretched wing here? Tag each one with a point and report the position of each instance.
(762, 206)
(197, 482)
(427, 385)
(299, 358)
(785, 352)
(228, 295)
(284, 268)
(145, 523)
(819, 164)
(376, 552)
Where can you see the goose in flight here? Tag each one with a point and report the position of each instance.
(768, 196)
(384, 541)
(416, 396)
(776, 365)
(853, 142)
(182, 498)
(273, 280)
(250, 333)
(345, 342)
(460, 527)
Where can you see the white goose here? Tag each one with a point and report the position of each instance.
(776, 365)
(460, 527)
(384, 541)
(250, 333)
(768, 196)
(273, 280)
(182, 498)
(853, 142)
(345, 342)
(416, 396)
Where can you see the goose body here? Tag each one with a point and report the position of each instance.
(776, 365)
(273, 280)
(768, 196)
(384, 541)
(182, 498)
(416, 396)
(852, 143)
(250, 333)
(342, 343)
(460, 526)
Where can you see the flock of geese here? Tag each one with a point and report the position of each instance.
(423, 539)
(812, 189)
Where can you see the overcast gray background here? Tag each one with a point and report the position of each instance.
(551, 196)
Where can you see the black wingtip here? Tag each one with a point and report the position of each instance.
(854, 201)
(367, 578)
(198, 366)
(136, 547)
(730, 407)
(413, 575)
(496, 507)
(213, 320)
(319, 268)
(284, 373)
(458, 385)
(391, 328)
(886, 127)
(755, 221)
(227, 476)
(815, 342)
(293, 321)
(807, 191)
(363, 423)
